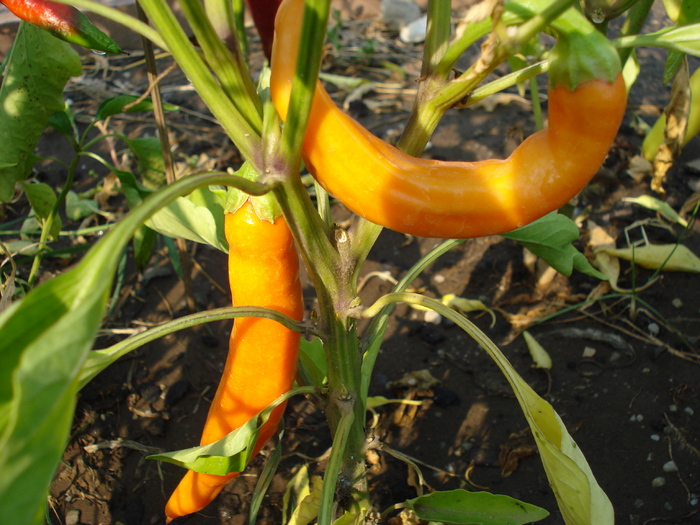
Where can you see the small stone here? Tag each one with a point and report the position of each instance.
(658, 482)
(640, 418)
(689, 411)
(670, 466)
(653, 329)
(414, 33)
(673, 408)
(72, 517)
(438, 278)
(668, 506)
(638, 503)
(588, 352)
(646, 370)
(432, 317)
(693, 500)
(396, 14)
(655, 437)
(677, 303)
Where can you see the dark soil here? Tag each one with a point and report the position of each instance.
(624, 377)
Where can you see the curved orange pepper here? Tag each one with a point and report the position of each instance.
(262, 359)
(433, 198)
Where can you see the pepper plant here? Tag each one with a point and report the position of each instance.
(47, 338)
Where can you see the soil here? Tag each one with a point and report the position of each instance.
(624, 374)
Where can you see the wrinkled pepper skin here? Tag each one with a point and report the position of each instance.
(442, 199)
(262, 358)
(62, 21)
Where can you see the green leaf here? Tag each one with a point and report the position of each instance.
(689, 13)
(78, 208)
(39, 65)
(149, 158)
(144, 240)
(115, 105)
(199, 217)
(229, 454)
(133, 190)
(460, 507)
(550, 239)
(312, 358)
(685, 39)
(63, 122)
(42, 199)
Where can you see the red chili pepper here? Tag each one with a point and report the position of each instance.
(264, 12)
(62, 21)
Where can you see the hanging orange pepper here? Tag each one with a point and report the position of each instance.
(262, 359)
(433, 198)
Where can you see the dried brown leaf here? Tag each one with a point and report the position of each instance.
(676, 123)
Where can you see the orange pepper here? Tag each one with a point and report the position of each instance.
(433, 198)
(262, 358)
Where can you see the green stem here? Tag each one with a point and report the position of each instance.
(236, 126)
(48, 223)
(311, 46)
(634, 22)
(311, 234)
(535, 24)
(239, 22)
(133, 23)
(506, 81)
(375, 331)
(536, 106)
(330, 477)
(98, 360)
(437, 36)
(227, 62)
(344, 394)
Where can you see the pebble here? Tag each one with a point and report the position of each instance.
(432, 317)
(668, 506)
(677, 303)
(588, 352)
(414, 32)
(693, 500)
(653, 329)
(439, 278)
(638, 503)
(673, 408)
(670, 466)
(689, 411)
(72, 517)
(398, 13)
(658, 482)
(655, 437)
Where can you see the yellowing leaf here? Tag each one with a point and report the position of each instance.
(655, 204)
(307, 510)
(377, 401)
(464, 306)
(297, 489)
(538, 353)
(599, 240)
(677, 258)
(581, 500)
